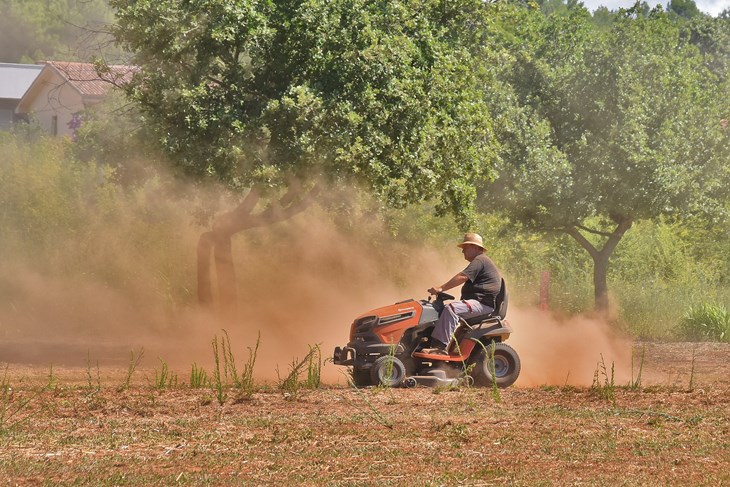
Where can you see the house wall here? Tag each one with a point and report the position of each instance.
(54, 105)
(7, 108)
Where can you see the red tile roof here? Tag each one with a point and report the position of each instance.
(88, 80)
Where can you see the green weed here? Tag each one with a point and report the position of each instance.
(314, 369)
(692, 370)
(89, 377)
(198, 377)
(705, 322)
(220, 392)
(635, 384)
(603, 383)
(246, 382)
(370, 409)
(134, 361)
(291, 384)
(164, 378)
(492, 368)
(14, 412)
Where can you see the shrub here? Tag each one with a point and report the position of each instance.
(706, 322)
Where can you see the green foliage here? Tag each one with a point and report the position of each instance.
(611, 126)
(218, 381)
(291, 385)
(198, 377)
(314, 368)
(684, 8)
(604, 385)
(164, 378)
(705, 322)
(134, 360)
(388, 92)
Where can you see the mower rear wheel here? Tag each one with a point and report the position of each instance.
(503, 369)
(388, 371)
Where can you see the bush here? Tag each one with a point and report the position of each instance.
(706, 322)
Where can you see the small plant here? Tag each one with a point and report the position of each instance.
(605, 388)
(229, 361)
(492, 369)
(705, 322)
(490, 352)
(314, 369)
(12, 410)
(89, 377)
(198, 377)
(52, 381)
(388, 367)
(164, 378)
(290, 385)
(636, 383)
(692, 370)
(246, 382)
(217, 378)
(374, 412)
(134, 361)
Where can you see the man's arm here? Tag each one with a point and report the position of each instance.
(457, 280)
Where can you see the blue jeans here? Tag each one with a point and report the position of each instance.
(449, 319)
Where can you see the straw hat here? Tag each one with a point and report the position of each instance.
(472, 239)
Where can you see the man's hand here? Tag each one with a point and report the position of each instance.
(457, 280)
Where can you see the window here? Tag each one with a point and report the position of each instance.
(54, 125)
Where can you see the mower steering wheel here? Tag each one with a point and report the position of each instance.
(444, 296)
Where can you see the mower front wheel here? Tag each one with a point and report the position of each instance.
(388, 371)
(496, 363)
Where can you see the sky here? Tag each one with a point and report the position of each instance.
(712, 7)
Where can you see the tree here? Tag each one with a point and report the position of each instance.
(612, 126)
(684, 8)
(256, 94)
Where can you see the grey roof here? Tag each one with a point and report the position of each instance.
(15, 79)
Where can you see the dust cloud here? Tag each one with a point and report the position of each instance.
(300, 284)
(568, 351)
(117, 289)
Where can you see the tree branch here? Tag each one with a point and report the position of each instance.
(593, 231)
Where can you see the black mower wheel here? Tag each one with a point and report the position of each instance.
(361, 377)
(503, 369)
(388, 371)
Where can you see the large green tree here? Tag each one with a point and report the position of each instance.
(612, 126)
(258, 93)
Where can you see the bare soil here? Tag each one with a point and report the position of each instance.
(72, 425)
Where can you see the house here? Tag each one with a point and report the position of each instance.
(58, 96)
(15, 79)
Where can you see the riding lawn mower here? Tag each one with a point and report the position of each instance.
(385, 347)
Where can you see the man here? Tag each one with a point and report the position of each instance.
(481, 282)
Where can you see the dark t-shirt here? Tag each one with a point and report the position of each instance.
(484, 280)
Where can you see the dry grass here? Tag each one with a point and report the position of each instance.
(658, 434)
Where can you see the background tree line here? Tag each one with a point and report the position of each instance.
(539, 124)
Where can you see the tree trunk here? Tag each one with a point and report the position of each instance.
(601, 256)
(217, 244)
(600, 283)
(205, 249)
(226, 273)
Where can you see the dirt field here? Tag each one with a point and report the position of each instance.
(673, 430)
